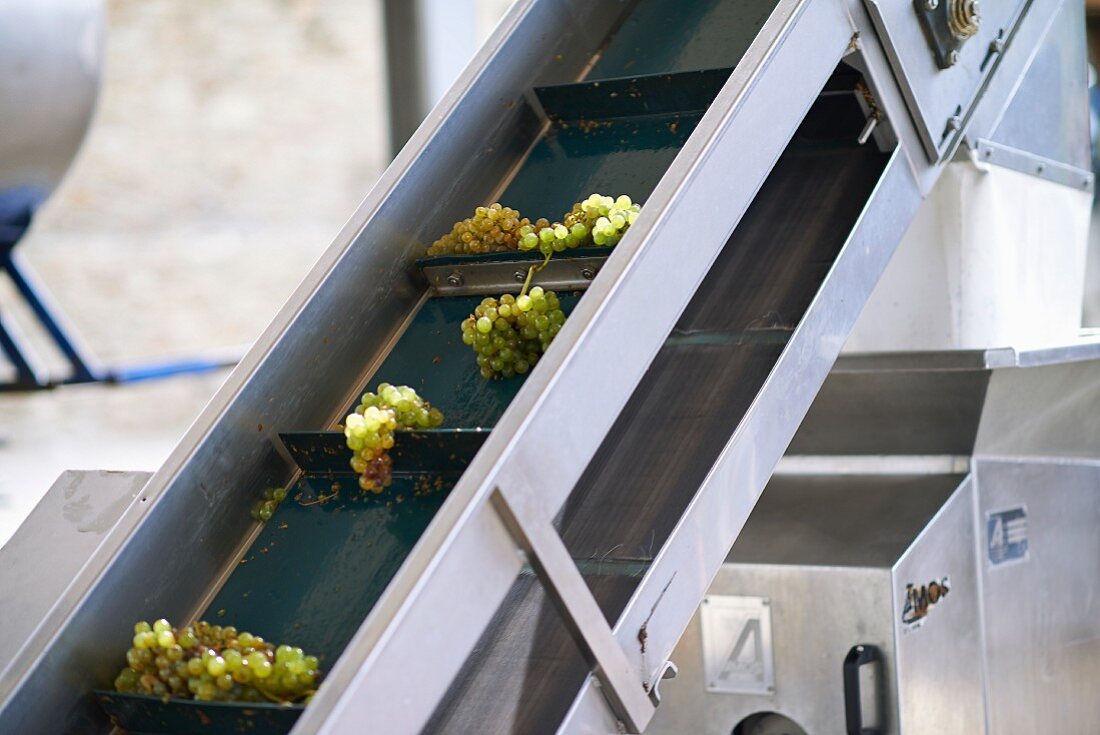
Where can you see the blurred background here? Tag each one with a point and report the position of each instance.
(232, 140)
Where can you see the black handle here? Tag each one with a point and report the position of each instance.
(853, 708)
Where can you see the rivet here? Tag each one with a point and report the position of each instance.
(520, 276)
(455, 279)
(953, 57)
(588, 274)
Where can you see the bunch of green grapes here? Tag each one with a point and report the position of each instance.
(598, 220)
(369, 431)
(262, 510)
(214, 663)
(492, 229)
(510, 334)
(606, 218)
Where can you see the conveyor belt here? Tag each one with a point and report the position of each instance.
(647, 430)
(525, 670)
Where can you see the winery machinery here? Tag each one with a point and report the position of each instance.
(582, 550)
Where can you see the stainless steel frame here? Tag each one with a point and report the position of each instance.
(70, 523)
(408, 650)
(996, 154)
(942, 100)
(682, 572)
(1018, 647)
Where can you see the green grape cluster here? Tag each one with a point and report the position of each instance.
(369, 431)
(598, 220)
(262, 510)
(606, 217)
(492, 229)
(510, 334)
(214, 663)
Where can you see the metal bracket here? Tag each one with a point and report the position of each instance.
(534, 531)
(494, 277)
(942, 92)
(948, 24)
(984, 151)
(669, 671)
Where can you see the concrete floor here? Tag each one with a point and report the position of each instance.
(233, 139)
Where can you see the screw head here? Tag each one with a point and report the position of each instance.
(588, 274)
(931, 4)
(520, 276)
(455, 279)
(953, 57)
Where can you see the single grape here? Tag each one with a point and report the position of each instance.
(215, 666)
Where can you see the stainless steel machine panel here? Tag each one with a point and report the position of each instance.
(52, 547)
(936, 625)
(817, 615)
(831, 556)
(941, 85)
(1049, 116)
(1047, 411)
(1040, 595)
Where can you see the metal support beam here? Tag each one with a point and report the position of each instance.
(428, 42)
(531, 526)
(84, 369)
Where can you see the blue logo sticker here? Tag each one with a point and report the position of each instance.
(1006, 535)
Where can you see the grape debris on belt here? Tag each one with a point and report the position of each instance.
(262, 510)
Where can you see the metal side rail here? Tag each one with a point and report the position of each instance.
(415, 641)
(678, 578)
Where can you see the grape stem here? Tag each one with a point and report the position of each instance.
(280, 700)
(320, 500)
(531, 272)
